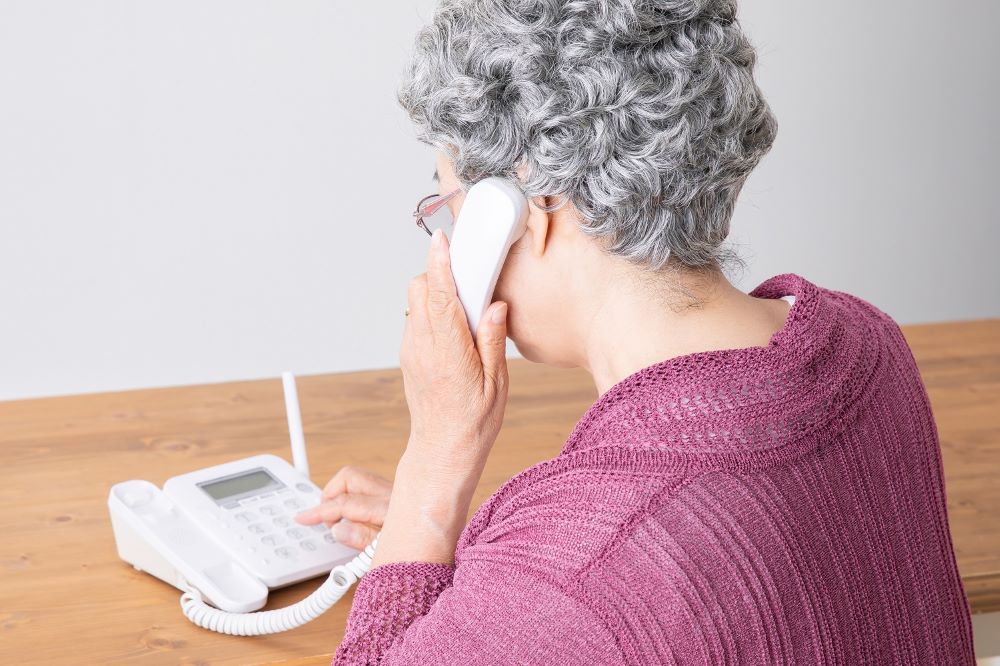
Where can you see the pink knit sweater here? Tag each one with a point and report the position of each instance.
(764, 505)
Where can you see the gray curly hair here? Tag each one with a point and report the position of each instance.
(643, 113)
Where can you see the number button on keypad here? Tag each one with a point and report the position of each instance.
(270, 510)
(259, 528)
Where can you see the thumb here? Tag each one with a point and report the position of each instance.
(491, 341)
(355, 535)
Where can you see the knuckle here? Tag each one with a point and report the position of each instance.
(417, 284)
(439, 302)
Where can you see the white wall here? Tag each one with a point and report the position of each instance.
(204, 191)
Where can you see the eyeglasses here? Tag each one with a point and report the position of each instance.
(429, 216)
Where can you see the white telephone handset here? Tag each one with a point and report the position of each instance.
(493, 217)
(225, 534)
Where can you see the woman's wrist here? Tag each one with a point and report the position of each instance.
(427, 511)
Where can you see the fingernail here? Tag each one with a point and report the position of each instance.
(499, 313)
(436, 237)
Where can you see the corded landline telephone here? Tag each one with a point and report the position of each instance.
(225, 534)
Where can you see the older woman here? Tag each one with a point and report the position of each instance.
(759, 480)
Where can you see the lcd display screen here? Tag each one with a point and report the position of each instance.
(238, 485)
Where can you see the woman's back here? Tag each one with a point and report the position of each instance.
(772, 505)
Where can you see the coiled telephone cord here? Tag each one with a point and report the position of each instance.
(280, 619)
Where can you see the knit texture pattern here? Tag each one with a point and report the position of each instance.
(764, 505)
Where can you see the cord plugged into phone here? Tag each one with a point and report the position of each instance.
(225, 535)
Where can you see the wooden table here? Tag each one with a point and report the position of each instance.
(65, 597)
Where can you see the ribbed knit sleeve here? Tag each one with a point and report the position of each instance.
(386, 602)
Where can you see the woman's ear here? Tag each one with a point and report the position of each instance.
(539, 222)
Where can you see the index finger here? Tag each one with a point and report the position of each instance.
(439, 277)
(443, 306)
(355, 480)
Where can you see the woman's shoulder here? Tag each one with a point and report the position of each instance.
(881, 329)
(561, 514)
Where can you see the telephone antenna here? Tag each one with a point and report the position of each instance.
(295, 433)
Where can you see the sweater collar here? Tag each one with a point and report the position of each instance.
(729, 405)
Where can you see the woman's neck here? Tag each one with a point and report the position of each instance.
(633, 324)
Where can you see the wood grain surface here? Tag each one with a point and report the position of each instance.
(65, 597)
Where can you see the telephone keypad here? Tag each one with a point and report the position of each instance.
(277, 509)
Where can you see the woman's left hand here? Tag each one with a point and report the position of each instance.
(456, 389)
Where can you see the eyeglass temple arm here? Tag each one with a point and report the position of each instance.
(433, 208)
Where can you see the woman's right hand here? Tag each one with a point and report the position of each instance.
(354, 505)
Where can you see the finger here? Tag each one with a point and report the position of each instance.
(439, 275)
(356, 480)
(491, 341)
(444, 309)
(415, 331)
(355, 535)
(361, 508)
(416, 301)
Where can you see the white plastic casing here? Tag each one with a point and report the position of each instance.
(493, 216)
(183, 533)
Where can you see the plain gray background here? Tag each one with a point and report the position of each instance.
(201, 191)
